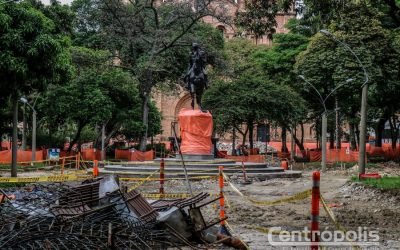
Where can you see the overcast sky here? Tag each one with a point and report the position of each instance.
(62, 1)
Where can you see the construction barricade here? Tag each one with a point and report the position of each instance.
(22, 156)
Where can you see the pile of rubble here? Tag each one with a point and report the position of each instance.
(96, 214)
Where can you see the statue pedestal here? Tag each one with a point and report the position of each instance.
(196, 130)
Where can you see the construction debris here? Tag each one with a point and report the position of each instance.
(96, 214)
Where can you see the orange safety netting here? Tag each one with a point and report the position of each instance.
(196, 129)
(334, 155)
(91, 154)
(141, 156)
(22, 156)
(6, 144)
(386, 152)
(282, 155)
(121, 154)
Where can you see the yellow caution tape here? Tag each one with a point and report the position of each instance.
(160, 196)
(143, 181)
(45, 160)
(339, 227)
(230, 229)
(296, 197)
(54, 178)
(206, 177)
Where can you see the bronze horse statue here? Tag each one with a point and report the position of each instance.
(196, 76)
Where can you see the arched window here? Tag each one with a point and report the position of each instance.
(221, 28)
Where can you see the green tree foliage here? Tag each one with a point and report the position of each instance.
(152, 41)
(249, 97)
(259, 16)
(327, 64)
(33, 53)
(277, 64)
(99, 94)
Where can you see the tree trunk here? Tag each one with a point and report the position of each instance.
(353, 144)
(233, 141)
(145, 120)
(251, 131)
(24, 128)
(394, 130)
(300, 143)
(380, 127)
(331, 139)
(14, 135)
(284, 148)
(244, 136)
(302, 136)
(76, 137)
(357, 136)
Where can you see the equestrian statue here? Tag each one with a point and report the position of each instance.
(196, 76)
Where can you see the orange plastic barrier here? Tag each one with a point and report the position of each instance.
(22, 156)
(196, 129)
(141, 156)
(385, 151)
(315, 155)
(91, 154)
(285, 165)
(6, 144)
(122, 154)
(282, 155)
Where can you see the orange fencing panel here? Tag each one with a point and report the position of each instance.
(22, 156)
(122, 154)
(196, 129)
(89, 154)
(6, 144)
(141, 156)
(283, 155)
(315, 155)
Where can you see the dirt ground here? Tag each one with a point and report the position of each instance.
(353, 204)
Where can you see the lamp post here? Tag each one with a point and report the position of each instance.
(364, 103)
(25, 101)
(324, 116)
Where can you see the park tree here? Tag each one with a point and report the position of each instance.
(250, 97)
(259, 16)
(98, 95)
(151, 41)
(277, 64)
(33, 53)
(327, 64)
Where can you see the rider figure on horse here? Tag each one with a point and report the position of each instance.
(196, 76)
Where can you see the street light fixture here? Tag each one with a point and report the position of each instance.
(324, 116)
(24, 100)
(364, 96)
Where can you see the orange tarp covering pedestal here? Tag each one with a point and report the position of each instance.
(196, 129)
